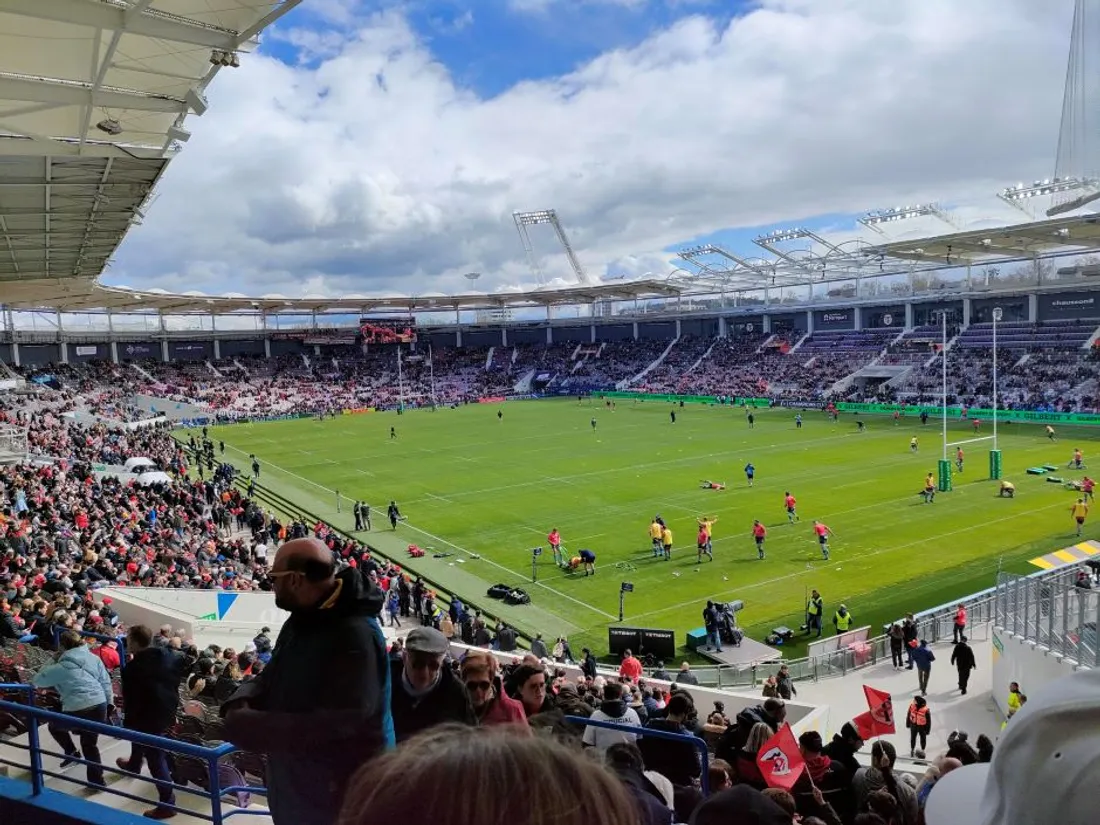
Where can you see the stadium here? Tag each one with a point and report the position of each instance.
(738, 476)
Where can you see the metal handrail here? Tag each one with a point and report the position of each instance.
(210, 755)
(634, 730)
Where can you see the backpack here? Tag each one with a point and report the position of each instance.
(517, 596)
(499, 591)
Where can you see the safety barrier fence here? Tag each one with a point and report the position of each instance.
(1053, 613)
(648, 733)
(212, 757)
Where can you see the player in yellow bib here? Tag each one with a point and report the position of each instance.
(1079, 511)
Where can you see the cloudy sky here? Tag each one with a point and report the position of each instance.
(373, 146)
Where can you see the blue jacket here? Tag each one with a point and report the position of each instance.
(81, 679)
(923, 657)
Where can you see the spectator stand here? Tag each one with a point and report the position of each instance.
(802, 716)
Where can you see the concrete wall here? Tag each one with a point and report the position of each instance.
(209, 616)
(1017, 660)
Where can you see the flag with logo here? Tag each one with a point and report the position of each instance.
(780, 761)
(879, 718)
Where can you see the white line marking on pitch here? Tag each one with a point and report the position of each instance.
(439, 498)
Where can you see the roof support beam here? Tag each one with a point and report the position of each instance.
(23, 146)
(265, 21)
(113, 15)
(15, 87)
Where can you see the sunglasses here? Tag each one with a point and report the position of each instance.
(479, 685)
(278, 574)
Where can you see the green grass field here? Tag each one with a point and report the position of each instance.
(473, 485)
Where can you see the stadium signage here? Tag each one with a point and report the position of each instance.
(1068, 305)
(834, 318)
(800, 405)
(82, 351)
(1089, 419)
(661, 643)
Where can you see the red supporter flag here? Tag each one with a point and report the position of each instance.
(780, 761)
(879, 719)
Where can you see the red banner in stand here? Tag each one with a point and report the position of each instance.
(879, 719)
(780, 760)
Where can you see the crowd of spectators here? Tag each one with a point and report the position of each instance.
(1046, 376)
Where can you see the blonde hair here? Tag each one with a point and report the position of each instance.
(478, 661)
(471, 773)
(758, 735)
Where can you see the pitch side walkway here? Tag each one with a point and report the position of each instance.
(974, 713)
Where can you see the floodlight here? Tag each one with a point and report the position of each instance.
(782, 235)
(899, 213)
(1040, 188)
(472, 276)
(110, 126)
(178, 133)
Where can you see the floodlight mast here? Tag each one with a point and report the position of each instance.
(550, 216)
(1078, 155)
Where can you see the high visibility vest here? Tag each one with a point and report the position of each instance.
(813, 607)
(842, 622)
(918, 717)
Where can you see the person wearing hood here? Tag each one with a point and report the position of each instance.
(425, 690)
(880, 775)
(85, 689)
(841, 752)
(612, 709)
(321, 707)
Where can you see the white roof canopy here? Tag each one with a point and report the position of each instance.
(93, 97)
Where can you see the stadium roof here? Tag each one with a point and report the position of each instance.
(1077, 235)
(93, 98)
(80, 295)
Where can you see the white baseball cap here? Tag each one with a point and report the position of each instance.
(1045, 768)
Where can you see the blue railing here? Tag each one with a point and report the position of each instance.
(211, 757)
(650, 733)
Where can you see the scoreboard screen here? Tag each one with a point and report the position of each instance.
(388, 330)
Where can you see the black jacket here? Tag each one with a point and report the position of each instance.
(151, 689)
(962, 657)
(448, 702)
(677, 761)
(320, 709)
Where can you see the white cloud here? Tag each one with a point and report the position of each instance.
(371, 170)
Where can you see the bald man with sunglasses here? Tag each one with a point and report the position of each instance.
(321, 707)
